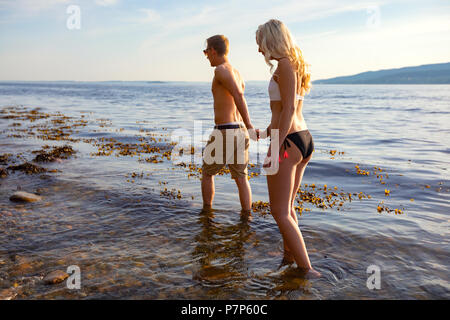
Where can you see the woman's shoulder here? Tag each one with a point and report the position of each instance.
(284, 67)
(284, 64)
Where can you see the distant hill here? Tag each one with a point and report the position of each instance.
(438, 73)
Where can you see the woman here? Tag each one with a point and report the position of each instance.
(287, 87)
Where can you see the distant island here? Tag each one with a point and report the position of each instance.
(438, 73)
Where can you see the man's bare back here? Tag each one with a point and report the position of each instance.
(225, 110)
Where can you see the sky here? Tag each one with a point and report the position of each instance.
(136, 40)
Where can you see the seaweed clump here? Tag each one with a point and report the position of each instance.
(56, 153)
(3, 173)
(4, 158)
(28, 168)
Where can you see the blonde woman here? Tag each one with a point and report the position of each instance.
(287, 87)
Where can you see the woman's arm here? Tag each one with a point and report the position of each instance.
(287, 84)
(267, 132)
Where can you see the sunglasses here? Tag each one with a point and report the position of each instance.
(206, 51)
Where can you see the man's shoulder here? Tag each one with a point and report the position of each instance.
(222, 73)
(223, 69)
(227, 70)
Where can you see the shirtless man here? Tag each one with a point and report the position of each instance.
(232, 119)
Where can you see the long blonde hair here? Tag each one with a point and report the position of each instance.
(274, 38)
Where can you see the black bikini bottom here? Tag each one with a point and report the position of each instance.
(303, 140)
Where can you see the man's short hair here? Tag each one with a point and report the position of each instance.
(219, 43)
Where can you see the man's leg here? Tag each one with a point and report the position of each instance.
(245, 193)
(212, 154)
(239, 168)
(207, 189)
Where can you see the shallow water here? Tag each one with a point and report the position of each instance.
(133, 240)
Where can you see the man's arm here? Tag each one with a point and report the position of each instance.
(226, 78)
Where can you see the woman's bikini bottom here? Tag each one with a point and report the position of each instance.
(303, 140)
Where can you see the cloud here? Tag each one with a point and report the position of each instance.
(164, 41)
(106, 3)
(398, 43)
(31, 6)
(141, 16)
(150, 15)
(317, 35)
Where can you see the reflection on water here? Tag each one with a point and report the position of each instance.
(223, 263)
(220, 253)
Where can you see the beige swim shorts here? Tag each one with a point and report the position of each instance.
(227, 147)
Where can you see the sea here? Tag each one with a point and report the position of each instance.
(373, 206)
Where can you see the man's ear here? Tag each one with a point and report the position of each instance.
(213, 52)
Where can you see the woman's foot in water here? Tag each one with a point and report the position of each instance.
(313, 274)
(289, 259)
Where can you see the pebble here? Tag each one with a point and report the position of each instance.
(274, 253)
(8, 294)
(22, 265)
(24, 196)
(55, 277)
(22, 268)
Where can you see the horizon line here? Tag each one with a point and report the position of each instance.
(162, 81)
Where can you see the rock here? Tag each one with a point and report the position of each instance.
(7, 294)
(55, 277)
(3, 173)
(24, 196)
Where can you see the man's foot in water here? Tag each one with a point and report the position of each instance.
(246, 215)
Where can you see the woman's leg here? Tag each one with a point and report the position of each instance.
(280, 188)
(299, 171)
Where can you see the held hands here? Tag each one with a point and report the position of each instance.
(253, 133)
(256, 134)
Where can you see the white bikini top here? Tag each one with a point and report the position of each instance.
(274, 91)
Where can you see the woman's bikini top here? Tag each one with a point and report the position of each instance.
(274, 91)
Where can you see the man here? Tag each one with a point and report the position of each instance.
(228, 145)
